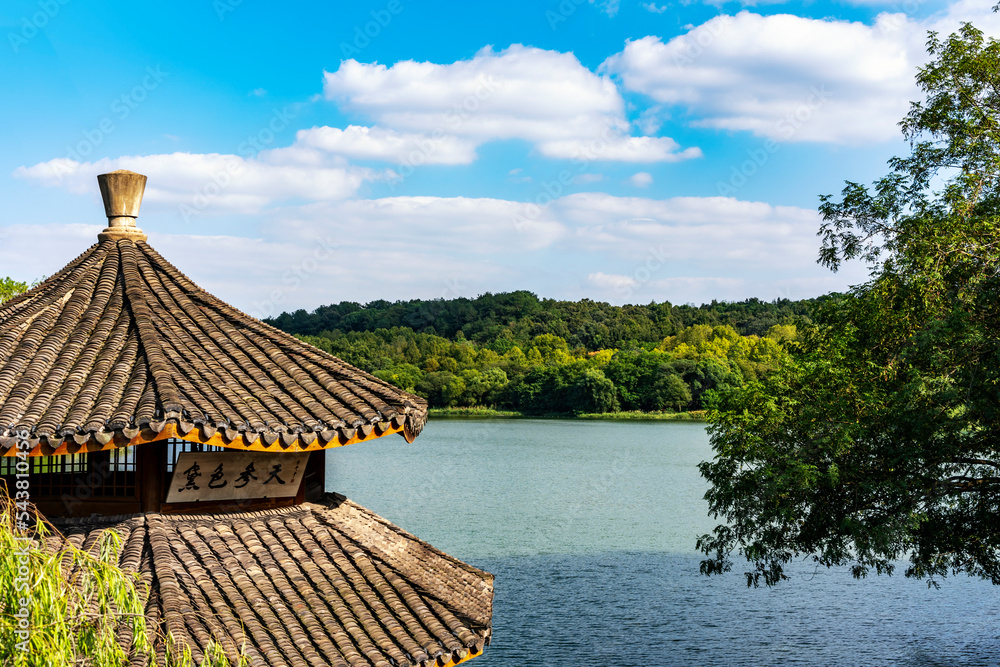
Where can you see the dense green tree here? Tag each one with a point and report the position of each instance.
(634, 373)
(404, 375)
(442, 389)
(10, 288)
(592, 391)
(879, 438)
(518, 317)
(706, 376)
(483, 388)
(493, 350)
(642, 376)
(669, 391)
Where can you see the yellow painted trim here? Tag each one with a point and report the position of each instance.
(194, 435)
(472, 654)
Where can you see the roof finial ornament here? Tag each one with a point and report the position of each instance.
(122, 193)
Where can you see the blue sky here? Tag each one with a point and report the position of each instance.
(308, 154)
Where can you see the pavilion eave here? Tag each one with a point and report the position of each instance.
(250, 442)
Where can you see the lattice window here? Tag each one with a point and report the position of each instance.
(107, 474)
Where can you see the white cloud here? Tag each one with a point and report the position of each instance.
(650, 120)
(620, 149)
(701, 230)
(784, 77)
(19, 243)
(210, 182)
(694, 249)
(583, 245)
(520, 92)
(606, 281)
(544, 97)
(622, 249)
(791, 78)
(978, 13)
(641, 179)
(428, 224)
(609, 7)
(376, 143)
(651, 7)
(693, 284)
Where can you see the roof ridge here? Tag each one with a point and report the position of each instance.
(149, 339)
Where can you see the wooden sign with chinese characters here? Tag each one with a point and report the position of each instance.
(235, 475)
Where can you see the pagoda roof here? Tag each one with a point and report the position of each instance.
(326, 583)
(120, 348)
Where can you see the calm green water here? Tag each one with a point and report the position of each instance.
(590, 528)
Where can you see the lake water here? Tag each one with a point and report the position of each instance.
(590, 529)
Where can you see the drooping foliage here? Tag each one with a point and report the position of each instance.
(878, 437)
(71, 606)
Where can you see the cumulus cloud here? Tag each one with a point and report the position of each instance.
(620, 149)
(978, 13)
(211, 182)
(791, 78)
(784, 77)
(623, 249)
(641, 179)
(61, 243)
(544, 97)
(521, 92)
(694, 249)
(425, 224)
(376, 143)
(719, 232)
(604, 281)
(396, 247)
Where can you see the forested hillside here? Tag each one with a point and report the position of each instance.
(542, 356)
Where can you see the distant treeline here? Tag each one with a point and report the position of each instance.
(542, 356)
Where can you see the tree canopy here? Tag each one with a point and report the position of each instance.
(878, 438)
(493, 319)
(545, 375)
(10, 288)
(515, 351)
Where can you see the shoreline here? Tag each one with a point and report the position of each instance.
(490, 413)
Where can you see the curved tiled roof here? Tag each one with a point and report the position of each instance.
(326, 583)
(121, 348)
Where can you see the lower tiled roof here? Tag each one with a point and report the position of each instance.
(327, 583)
